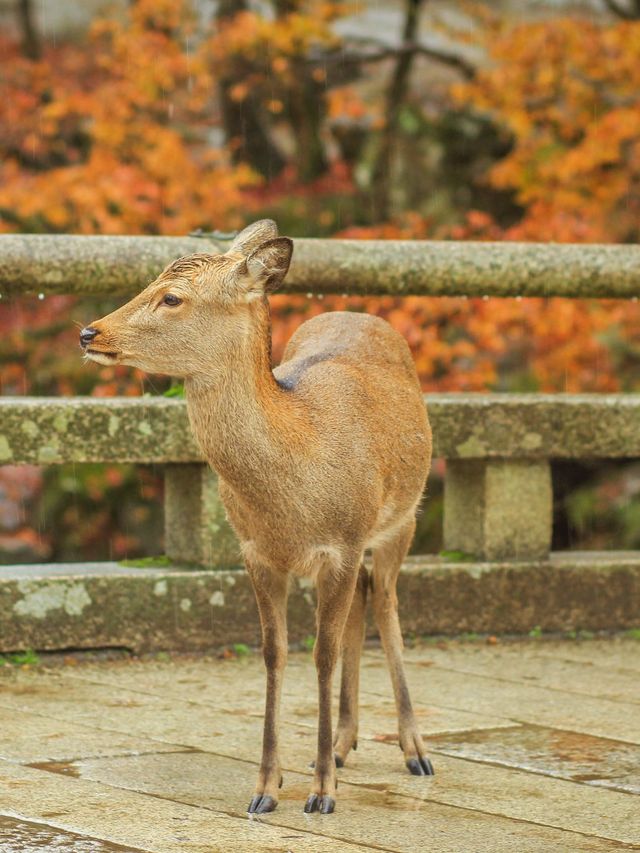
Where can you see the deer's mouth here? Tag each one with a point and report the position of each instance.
(102, 356)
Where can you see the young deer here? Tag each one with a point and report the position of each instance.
(318, 460)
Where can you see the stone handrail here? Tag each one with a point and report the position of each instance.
(498, 492)
(63, 264)
(155, 430)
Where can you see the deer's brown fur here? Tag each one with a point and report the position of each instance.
(319, 460)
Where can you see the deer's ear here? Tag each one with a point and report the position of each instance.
(253, 236)
(268, 264)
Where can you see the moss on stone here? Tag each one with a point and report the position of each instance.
(143, 610)
(465, 426)
(159, 562)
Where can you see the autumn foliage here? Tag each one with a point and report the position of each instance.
(110, 136)
(569, 93)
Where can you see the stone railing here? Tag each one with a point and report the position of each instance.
(498, 496)
(44, 264)
(498, 447)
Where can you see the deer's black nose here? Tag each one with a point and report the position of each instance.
(87, 335)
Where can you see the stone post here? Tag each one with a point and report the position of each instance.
(196, 528)
(498, 509)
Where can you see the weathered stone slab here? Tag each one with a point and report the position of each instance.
(155, 609)
(599, 671)
(570, 590)
(169, 722)
(46, 431)
(186, 716)
(362, 813)
(144, 609)
(512, 793)
(68, 264)
(601, 762)
(153, 825)
(522, 702)
(145, 430)
(469, 784)
(535, 426)
(621, 655)
(17, 834)
(240, 684)
(29, 737)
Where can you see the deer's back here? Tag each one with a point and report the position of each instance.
(357, 377)
(361, 342)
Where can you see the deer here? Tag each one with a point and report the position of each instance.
(319, 460)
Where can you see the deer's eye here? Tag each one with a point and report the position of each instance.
(171, 299)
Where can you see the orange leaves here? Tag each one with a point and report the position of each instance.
(569, 91)
(345, 103)
(239, 92)
(113, 139)
(273, 43)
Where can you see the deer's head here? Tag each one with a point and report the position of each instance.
(198, 310)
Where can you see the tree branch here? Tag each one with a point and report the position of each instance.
(622, 12)
(410, 48)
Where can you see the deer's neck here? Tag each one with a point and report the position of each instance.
(244, 423)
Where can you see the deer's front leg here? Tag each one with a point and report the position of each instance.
(271, 595)
(336, 587)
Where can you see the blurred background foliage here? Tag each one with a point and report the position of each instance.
(415, 119)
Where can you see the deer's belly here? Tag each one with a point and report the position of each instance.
(303, 562)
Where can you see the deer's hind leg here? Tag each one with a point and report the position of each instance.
(347, 732)
(387, 560)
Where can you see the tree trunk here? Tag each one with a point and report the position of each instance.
(306, 110)
(31, 46)
(381, 172)
(245, 122)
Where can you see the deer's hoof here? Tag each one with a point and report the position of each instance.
(420, 766)
(261, 804)
(315, 803)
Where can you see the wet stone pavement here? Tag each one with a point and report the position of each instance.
(536, 747)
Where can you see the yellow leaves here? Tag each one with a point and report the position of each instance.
(569, 92)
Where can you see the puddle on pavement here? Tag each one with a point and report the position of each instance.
(352, 795)
(23, 836)
(65, 768)
(551, 752)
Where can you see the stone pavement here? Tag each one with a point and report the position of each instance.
(536, 747)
